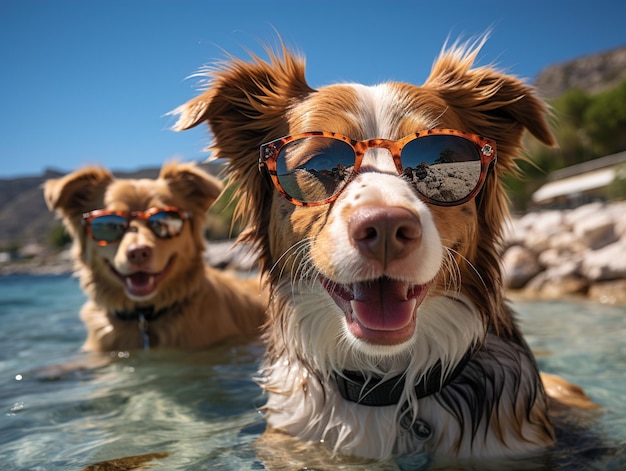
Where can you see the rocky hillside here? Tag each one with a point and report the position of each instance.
(23, 213)
(592, 74)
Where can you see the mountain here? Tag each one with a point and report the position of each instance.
(24, 216)
(593, 74)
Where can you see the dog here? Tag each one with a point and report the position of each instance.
(377, 212)
(137, 246)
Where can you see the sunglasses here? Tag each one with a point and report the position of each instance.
(446, 167)
(107, 227)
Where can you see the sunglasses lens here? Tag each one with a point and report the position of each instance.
(165, 224)
(108, 228)
(445, 169)
(314, 169)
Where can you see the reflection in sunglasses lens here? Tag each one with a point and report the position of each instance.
(165, 224)
(108, 228)
(112, 227)
(314, 168)
(443, 168)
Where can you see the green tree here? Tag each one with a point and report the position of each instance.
(605, 121)
(572, 138)
(58, 237)
(220, 218)
(571, 106)
(616, 190)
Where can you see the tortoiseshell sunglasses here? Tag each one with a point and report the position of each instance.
(446, 167)
(107, 227)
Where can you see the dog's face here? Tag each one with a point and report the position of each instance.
(363, 275)
(142, 236)
(374, 254)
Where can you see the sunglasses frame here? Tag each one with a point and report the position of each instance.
(129, 216)
(270, 151)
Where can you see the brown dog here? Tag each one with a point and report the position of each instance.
(138, 252)
(378, 211)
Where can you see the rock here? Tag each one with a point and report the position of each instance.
(557, 282)
(607, 263)
(618, 213)
(568, 252)
(576, 215)
(513, 233)
(519, 265)
(596, 231)
(556, 258)
(541, 228)
(566, 243)
(228, 254)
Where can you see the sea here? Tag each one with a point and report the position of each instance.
(63, 409)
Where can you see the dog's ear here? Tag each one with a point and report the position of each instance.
(494, 104)
(246, 104)
(77, 192)
(194, 186)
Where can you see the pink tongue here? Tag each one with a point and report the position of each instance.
(140, 283)
(383, 304)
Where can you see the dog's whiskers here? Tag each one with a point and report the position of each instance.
(452, 272)
(285, 257)
(303, 269)
(450, 252)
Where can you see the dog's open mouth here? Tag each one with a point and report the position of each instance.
(381, 311)
(142, 284)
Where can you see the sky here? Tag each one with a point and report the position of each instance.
(91, 82)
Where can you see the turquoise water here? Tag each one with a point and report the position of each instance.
(62, 410)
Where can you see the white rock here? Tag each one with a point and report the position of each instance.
(519, 265)
(566, 242)
(607, 263)
(574, 216)
(596, 231)
(557, 282)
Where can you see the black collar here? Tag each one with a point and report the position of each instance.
(146, 313)
(372, 391)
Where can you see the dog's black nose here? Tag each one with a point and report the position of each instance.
(138, 254)
(385, 233)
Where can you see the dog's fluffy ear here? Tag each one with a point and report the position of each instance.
(197, 188)
(497, 105)
(246, 104)
(77, 192)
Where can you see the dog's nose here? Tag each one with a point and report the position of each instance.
(386, 233)
(138, 254)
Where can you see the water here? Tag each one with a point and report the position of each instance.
(63, 410)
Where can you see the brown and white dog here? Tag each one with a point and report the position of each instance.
(377, 212)
(138, 247)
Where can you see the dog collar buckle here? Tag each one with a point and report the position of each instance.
(143, 330)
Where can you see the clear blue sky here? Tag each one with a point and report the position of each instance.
(85, 81)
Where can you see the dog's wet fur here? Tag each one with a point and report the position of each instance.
(184, 303)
